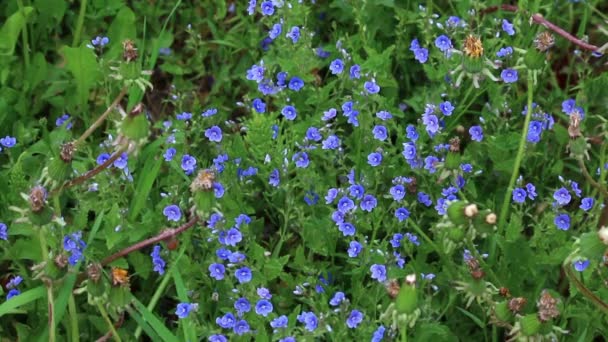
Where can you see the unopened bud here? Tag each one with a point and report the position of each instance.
(491, 218)
(603, 235)
(67, 152)
(471, 210)
(392, 288)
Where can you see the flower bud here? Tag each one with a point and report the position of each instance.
(471, 210)
(456, 212)
(502, 312)
(530, 325)
(59, 170)
(603, 235)
(135, 127)
(407, 299)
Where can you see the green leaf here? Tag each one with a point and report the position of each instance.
(82, 63)
(157, 325)
(474, 318)
(274, 267)
(22, 299)
(591, 246)
(9, 33)
(122, 28)
(145, 326)
(182, 294)
(146, 177)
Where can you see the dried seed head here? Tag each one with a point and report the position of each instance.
(120, 276)
(471, 210)
(61, 260)
(517, 304)
(203, 181)
(473, 46)
(491, 218)
(547, 307)
(37, 198)
(574, 129)
(129, 50)
(544, 41)
(478, 274)
(392, 288)
(67, 152)
(455, 144)
(505, 292)
(94, 272)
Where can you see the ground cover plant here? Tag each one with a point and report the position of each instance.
(303, 170)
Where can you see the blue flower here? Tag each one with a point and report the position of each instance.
(3, 231)
(379, 333)
(586, 203)
(354, 319)
(275, 31)
(72, 243)
(295, 83)
(345, 205)
(384, 115)
(446, 108)
(476, 133)
(12, 293)
(425, 199)
(402, 214)
(431, 122)
(184, 116)
(581, 265)
(217, 271)
(100, 41)
(256, 72)
(14, 282)
(378, 272)
(443, 43)
(507, 27)
(409, 150)
(251, 7)
(354, 248)
(241, 327)
(170, 153)
(322, 53)
(519, 195)
(356, 190)
(311, 198)
(568, 106)
(209, 112)
(294, 34)
(184, 309)
(347, 228)
(172, 212)
(336, 67)
(214, 134)
(331, 195)
(274, 178)
(219, 337)
(562, 196)
(188, 164)
(279, 322)
(243, 275)
(562, 221)
(412, 134)
(62, 119)
(309, 319)
(421, 55)
(355, 72)
(430, 162)
(534, 131)
(312, 133)
(504, 52)
(275, 131)
(412, 238)
(121, 162)
(263, 307)
(331, 143)
(531, 191)
(289, 112)
(380, 132)
(242, 305)
(371, 87)
(259, 105)
(374, 159)
(227, 321)
(301, 159)
(509, 75)
(267, 8)
(368, 203)
(396, 240)
(159, 263)
(329, 114)
(233, 237)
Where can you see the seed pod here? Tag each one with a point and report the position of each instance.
(502, 312)
(452, 161)
(480, 222)
(119, 296)
(530, 325)
(59, 170)
(456, 212)
(578, 147)
(456, 234)
(135, 127)
(407, 299)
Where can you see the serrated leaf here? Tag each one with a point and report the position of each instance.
(82, 64)
(592, 247)
(9, 33)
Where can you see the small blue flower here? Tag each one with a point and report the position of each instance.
(242, 305)
(380, 132)
(12, 293)
(275, 31)
(587, 203)
(396, 240)
(184, 309)
(121, 162)
(214, 134)
(289, 112)
(355, 72)
(274, 178)
(100, 41)
(243, 275)
(562, 221)
(368, 203)
(446, 108)
(184, 116)
(378, 272)
(169, 154)
(329, 114)
(354, 248)
(374, 159)
(172, 212)
(267, 8)
(443, 43)
(3, 231)
(188, 164)
(301, 159)
(421, 55)
(384, 115)
(356, 190)
(476, 133)
(354, 319)
(509, 75)
(312, 133)
(402, 214)
(159, 263)
(209, 112)
(263, 307)
(336, 67)
(309, 319)
(531, 191)
(73, 243)
(507, 27)
(568, 106)
(535, 131)
(62, 119)
(425, 199)
(241, 327)
(259, 105)
(279, 322)
(345, 205)
(294, 34)
(504, 52)
(562, 196)
(581, 265)
(295, 83)
(227, 321)
(411, 132)
(218, 337)
(347, 228)
(519, 195)
(371, 87)
(379, 333)
(409, 150)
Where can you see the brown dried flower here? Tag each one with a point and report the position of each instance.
(547, 307)
(517, 304)
(392, 288)
(37, 198)
(544, 41)
(473, 46)
(129, 50)
(203, 181)
(67, 152)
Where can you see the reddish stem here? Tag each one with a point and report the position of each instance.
(539, 19)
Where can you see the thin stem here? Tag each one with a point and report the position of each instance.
(104, 313)
(539, 19)
(481, 261)
(49, 286)
(582, 288)
(520, 154)
(91, 173)
(75, 333)
(103, 116)
(155, 298)
(434, 246)
(80, 22)
(166, 234)
(24, 37)
(590, 180)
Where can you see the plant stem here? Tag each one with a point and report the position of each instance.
(155, 298)
(444, 257)
(104, 313)
(103, 116)
(79, 22)
(24, 37)
(75, 334)
(520, 154)
(49, 286)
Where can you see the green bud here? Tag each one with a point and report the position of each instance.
(530, 325)
(41, 217)
(534, 59)
(119, 296)
(135, 127)
(578, 147)
(472, 65)
(502, 312)
(456, 234)
(452, 161)
(456, 212)
(407, 299)
(96, 288)
(482, 222)
(59, 170)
